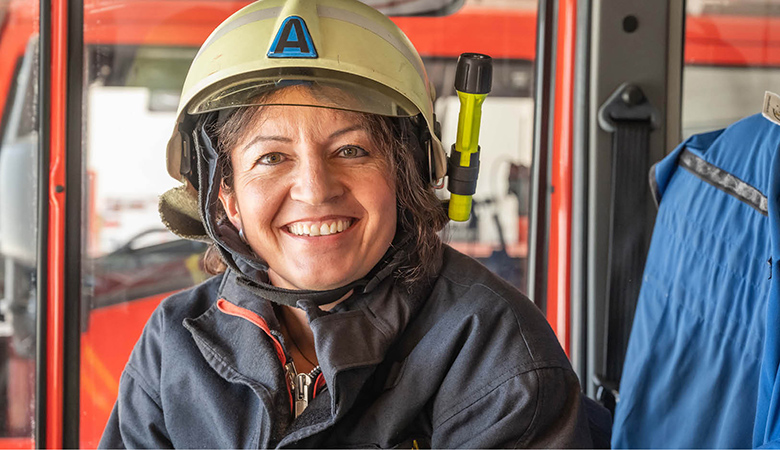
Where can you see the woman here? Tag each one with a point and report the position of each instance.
(306, 142)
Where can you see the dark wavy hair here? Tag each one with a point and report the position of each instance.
(419, 212)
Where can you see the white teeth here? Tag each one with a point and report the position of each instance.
(324, 229)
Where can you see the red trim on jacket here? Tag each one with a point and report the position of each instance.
(237, 311)
(319, 383)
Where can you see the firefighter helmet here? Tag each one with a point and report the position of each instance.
(270, 44)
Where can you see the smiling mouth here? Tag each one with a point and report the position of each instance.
(320, 228)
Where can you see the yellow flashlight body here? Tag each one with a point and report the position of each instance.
(466, 144)
(473, 80)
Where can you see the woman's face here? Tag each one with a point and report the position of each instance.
(312, 195)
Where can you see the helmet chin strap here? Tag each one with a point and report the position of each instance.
(261, 286)
(251, 271)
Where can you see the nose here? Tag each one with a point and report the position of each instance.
(315, 183)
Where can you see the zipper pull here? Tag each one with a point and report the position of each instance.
(291, 373)
(303, 383)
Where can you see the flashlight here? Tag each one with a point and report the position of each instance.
(473, 78)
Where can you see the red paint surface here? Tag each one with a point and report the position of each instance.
(17, 443)
(733, 40)
(710, 40)
(110, 337)
(56, 295)
(172, 23)
(495, 32)
(559, 267)
(498, 33)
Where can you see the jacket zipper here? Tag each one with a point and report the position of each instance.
(302, 385)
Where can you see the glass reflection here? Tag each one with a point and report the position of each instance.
(18, 218)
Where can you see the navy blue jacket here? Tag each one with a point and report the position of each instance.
(465, 362)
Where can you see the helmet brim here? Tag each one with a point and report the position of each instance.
(328, 90)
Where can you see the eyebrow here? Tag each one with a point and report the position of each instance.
(346, 130)
(261, 138)
(275, 138)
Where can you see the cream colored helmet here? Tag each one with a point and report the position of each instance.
(340, 43)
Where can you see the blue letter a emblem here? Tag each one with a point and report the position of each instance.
(293, 40)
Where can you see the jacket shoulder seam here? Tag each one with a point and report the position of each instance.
(135, 375)
(478, 394)
(514, 313)
(539, 394)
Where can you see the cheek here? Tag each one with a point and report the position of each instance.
(258, 204)
(389, 202)
(381, 199)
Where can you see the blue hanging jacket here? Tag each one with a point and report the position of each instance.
(694, 359)
(766, 433)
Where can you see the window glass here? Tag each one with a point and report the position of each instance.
(497, 232)
(135, 65)
(19, 69)
(732, 56)
(131, 261)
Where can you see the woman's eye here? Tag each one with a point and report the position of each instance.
(351, 151)
(271, 158)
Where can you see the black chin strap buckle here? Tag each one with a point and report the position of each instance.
(437, 184)
(189, 155)
(426, 143)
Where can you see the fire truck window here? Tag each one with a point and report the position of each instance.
(732, 56)
(134, 68)
(131, 262)
(18, 219)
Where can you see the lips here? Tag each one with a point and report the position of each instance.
(319, 228)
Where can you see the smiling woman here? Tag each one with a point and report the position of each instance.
(322, 172)
(337, 318)
(315, 169)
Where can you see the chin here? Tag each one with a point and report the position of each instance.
(313, 280)
(323, 283)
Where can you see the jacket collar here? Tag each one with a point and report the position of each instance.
(241, 353)
(356, 334)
